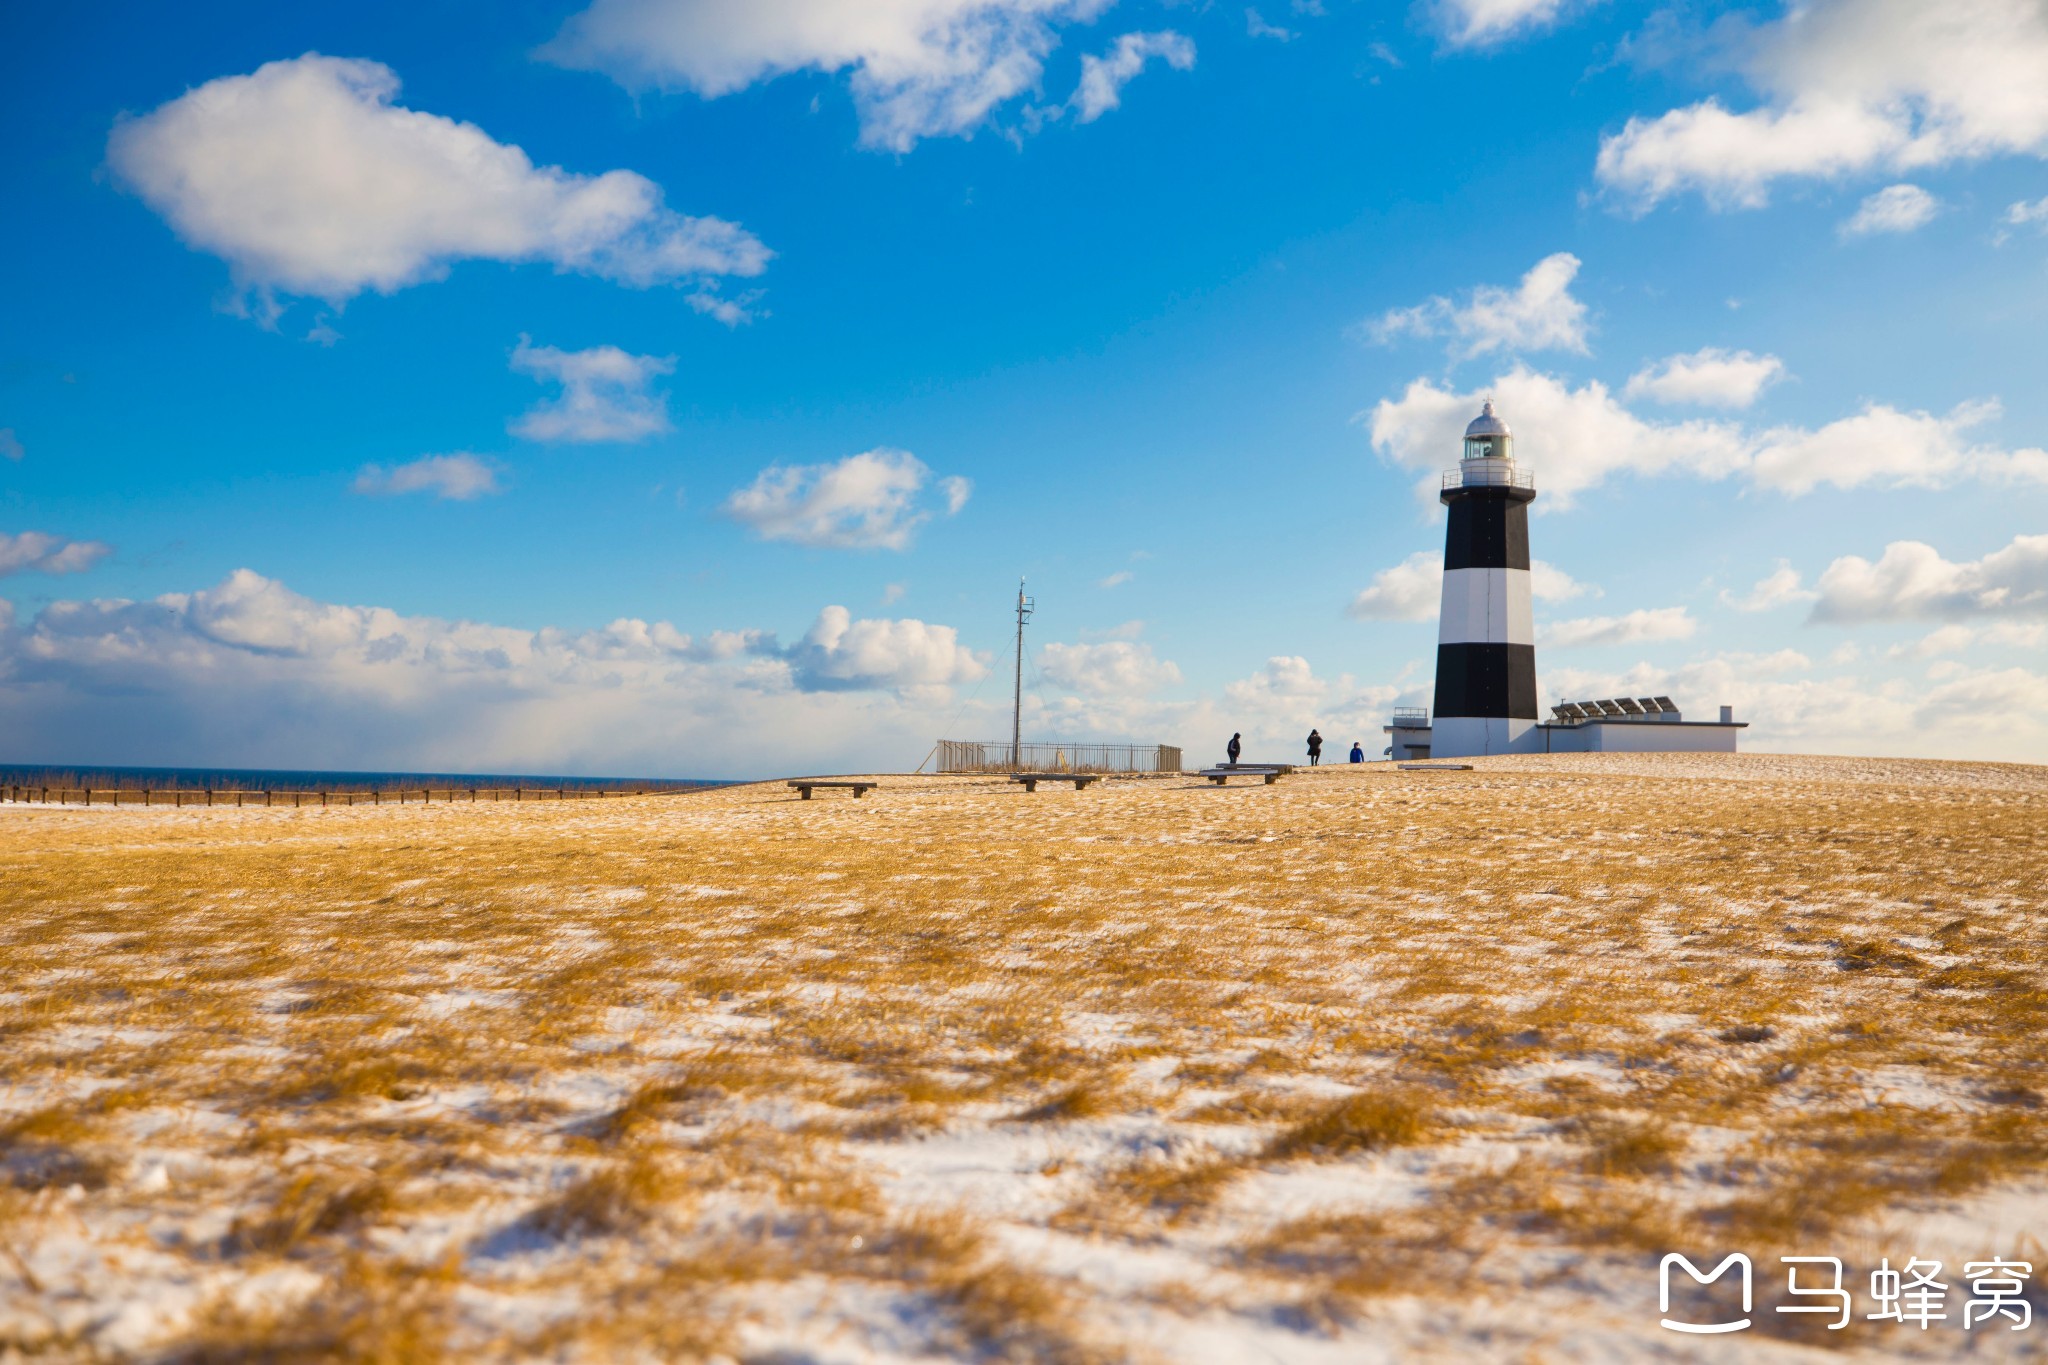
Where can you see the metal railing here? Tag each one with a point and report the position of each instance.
(1411, 717)
(1513, 476)
(1055, 756)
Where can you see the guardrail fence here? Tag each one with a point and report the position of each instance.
(997, 756)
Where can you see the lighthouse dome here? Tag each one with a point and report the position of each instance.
(1487, 423)
(1488, 438)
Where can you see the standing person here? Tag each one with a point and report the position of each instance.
(1315, 747)
(1234, 748)
(1357, 753)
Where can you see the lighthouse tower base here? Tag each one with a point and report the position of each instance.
(1467, 736)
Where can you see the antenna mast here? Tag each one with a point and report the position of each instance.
(1024, 606)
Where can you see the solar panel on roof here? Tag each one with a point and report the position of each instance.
(1610, 708)
(1628, 706)
(1666, 704)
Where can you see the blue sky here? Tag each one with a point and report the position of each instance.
(680, 386)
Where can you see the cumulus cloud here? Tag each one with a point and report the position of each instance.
(864, 502)
(1996, 714)
(39, 552)
(1112, 668)
(308, 180)
(1912, 581)
(1548, 583)
(1538, 314)
(10, 445)
(1896, 208)
(1849, 86)
(919, 68)
(457, 478)
(1104, 78)
(1893, 449)
(842, 654)
(1410, 591)
(1482, 23)
(606, 394)
(1781, 587)
(1710, 377)
(1575, 439)
(249, 672)
(1657, 623)
(1413, 589)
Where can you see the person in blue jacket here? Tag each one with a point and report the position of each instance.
(1357, 753)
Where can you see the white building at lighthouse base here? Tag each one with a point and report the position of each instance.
(1630, 725)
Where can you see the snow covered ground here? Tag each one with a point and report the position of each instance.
(1363, 1066)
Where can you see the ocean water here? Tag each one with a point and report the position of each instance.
(291, 779)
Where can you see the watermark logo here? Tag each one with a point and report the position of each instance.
(1915, 1294)
(1699, 1328)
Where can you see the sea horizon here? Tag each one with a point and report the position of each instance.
(308, 779)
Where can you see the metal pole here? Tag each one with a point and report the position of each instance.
(1017, 696)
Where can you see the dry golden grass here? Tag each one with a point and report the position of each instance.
(960, 1070)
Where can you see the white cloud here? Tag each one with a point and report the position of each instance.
(865, 502)
(893, 593)
(840, 653)
(607, 394)
(1893, 449)
(1895, 208)
(1112, 668)
(1413, 589)
(2023, 213)
(1707, 378)
(956, 490)
(1115, 580)
(1410, 591)
(1539, 314)
(1911, 581)
(457, 477)
(308, 180)
(920, 68)
(1548, 583)
(1575, 439)
(39, 552)
(1850, 86)
(1779, 588)
(1996, 715)
(1256, 26)
(1956, 639)
(1658, 623)
(249, 672)
(10, 445)
(1104, 78)
(1481, 23)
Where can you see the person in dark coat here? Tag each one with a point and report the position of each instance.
(1357, 752)
(1315, 747)
(1234, 748)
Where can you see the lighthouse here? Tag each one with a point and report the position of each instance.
(1486, 636)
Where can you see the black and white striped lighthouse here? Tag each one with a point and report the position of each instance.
(1486, 639)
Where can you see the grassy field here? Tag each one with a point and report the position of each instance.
(1361, 1066)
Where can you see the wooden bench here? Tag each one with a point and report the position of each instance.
(1031, 780)
(808, 785)
(1435, 767)
(1272, 772)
